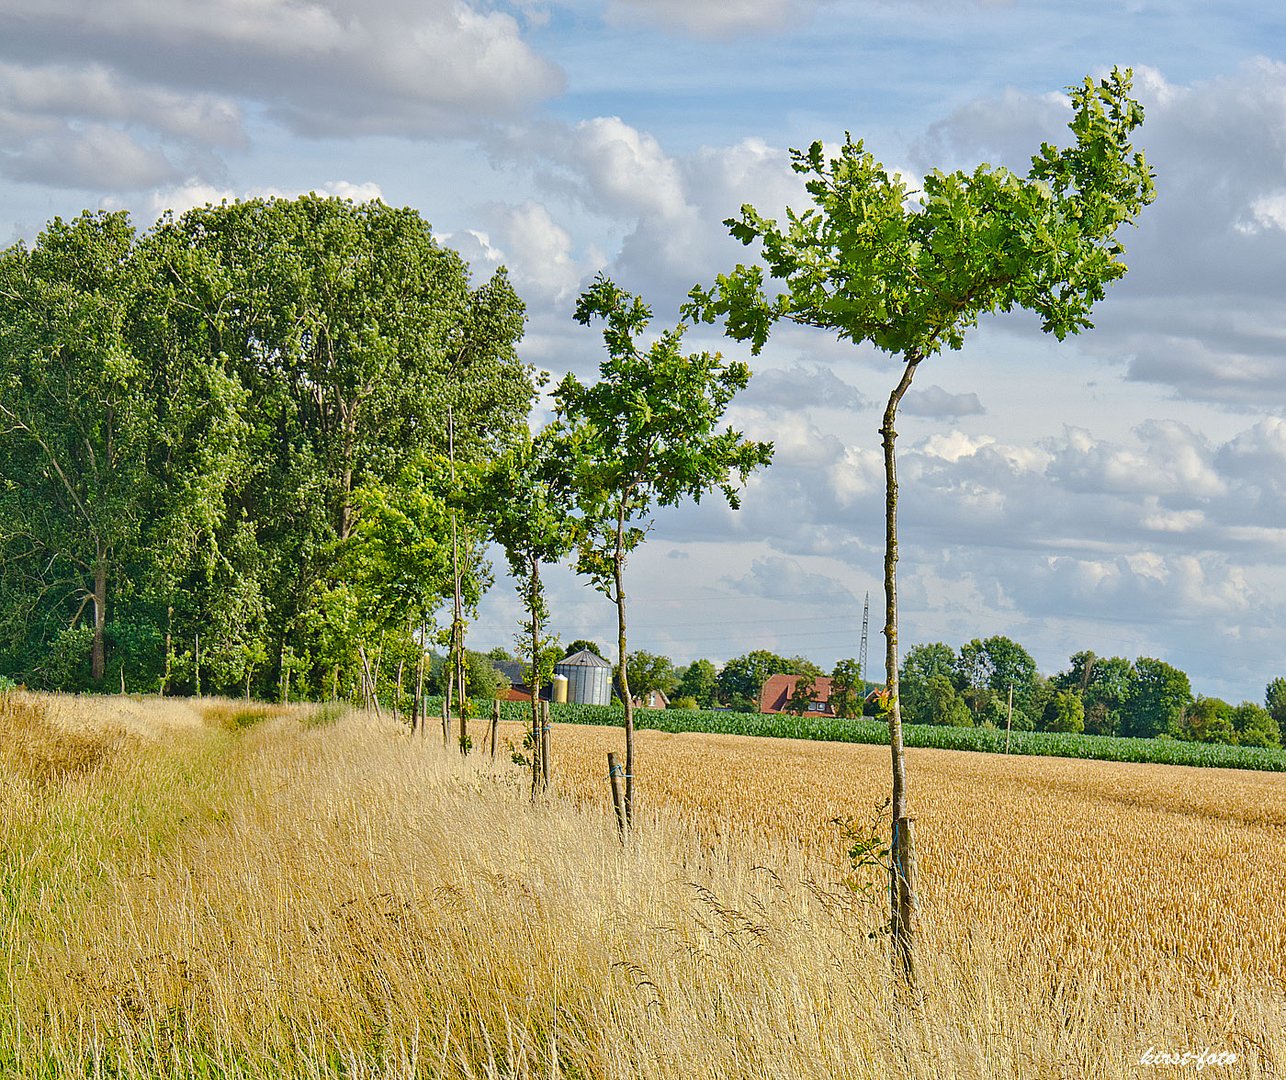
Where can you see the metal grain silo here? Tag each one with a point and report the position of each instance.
(589, 678)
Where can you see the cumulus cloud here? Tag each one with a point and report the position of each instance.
(1173, 459)
(323, 68)
(936, 402)
(669, 208)
(192, 193)
(92, 157)
(802, 386)
(726, 18)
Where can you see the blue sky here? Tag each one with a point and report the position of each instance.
(1123, 492)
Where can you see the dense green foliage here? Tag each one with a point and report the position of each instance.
(228, 433)
(1095, 695)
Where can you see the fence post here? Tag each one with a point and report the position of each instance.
(544, 743)
(495, 726)
(614, 774)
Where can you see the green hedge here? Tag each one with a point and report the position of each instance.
(984, 740)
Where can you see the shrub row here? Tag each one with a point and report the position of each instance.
(1161, 751)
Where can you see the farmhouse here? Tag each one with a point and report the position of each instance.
(779, 689)
(518, 690)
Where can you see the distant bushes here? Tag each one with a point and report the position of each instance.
(979, 739)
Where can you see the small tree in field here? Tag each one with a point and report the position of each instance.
(644, 436)
(522, 489)
(912, 272)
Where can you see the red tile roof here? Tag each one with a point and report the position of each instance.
(778, 689)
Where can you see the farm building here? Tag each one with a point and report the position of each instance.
(779, 689)
(589, 678)
(653, 699)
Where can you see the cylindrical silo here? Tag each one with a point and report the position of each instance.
(560, 689)
(589, 678)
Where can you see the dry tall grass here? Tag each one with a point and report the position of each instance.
(293, 898)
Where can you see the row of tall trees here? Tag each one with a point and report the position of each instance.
(258, 447)
(224, 442)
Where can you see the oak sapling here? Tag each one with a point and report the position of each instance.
(644, 436)
(911, 272)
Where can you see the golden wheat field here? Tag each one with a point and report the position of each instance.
(220, 890)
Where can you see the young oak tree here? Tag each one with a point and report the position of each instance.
(522, 489)
(911, 272)
(644, 436)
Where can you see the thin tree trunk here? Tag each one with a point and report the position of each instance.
(419, 682)
(457, 610)
(903, 901)
(169, 650)
(372, 701)
(623, 678)
(533, 593)
(98, 654)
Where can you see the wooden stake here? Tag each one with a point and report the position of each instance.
(544, 744)
(495, 726)
(371, 700)
(614, 774)
(445, 722)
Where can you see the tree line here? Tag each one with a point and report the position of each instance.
(260, 447)
(989, 682)
(211, 432)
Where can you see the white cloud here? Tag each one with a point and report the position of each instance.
(626, 169)
(802, 386)
(59, 92)
(1172, 460)
(935, 401)
(724, 18)
(93, 157)
(955, 445)
(1269, 211)
(193, 193)
(324, 67)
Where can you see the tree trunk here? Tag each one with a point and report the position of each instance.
(903, 902)
(98, 654)
(169, 653)
(533, 595)
(623, 677)
(419, 682)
